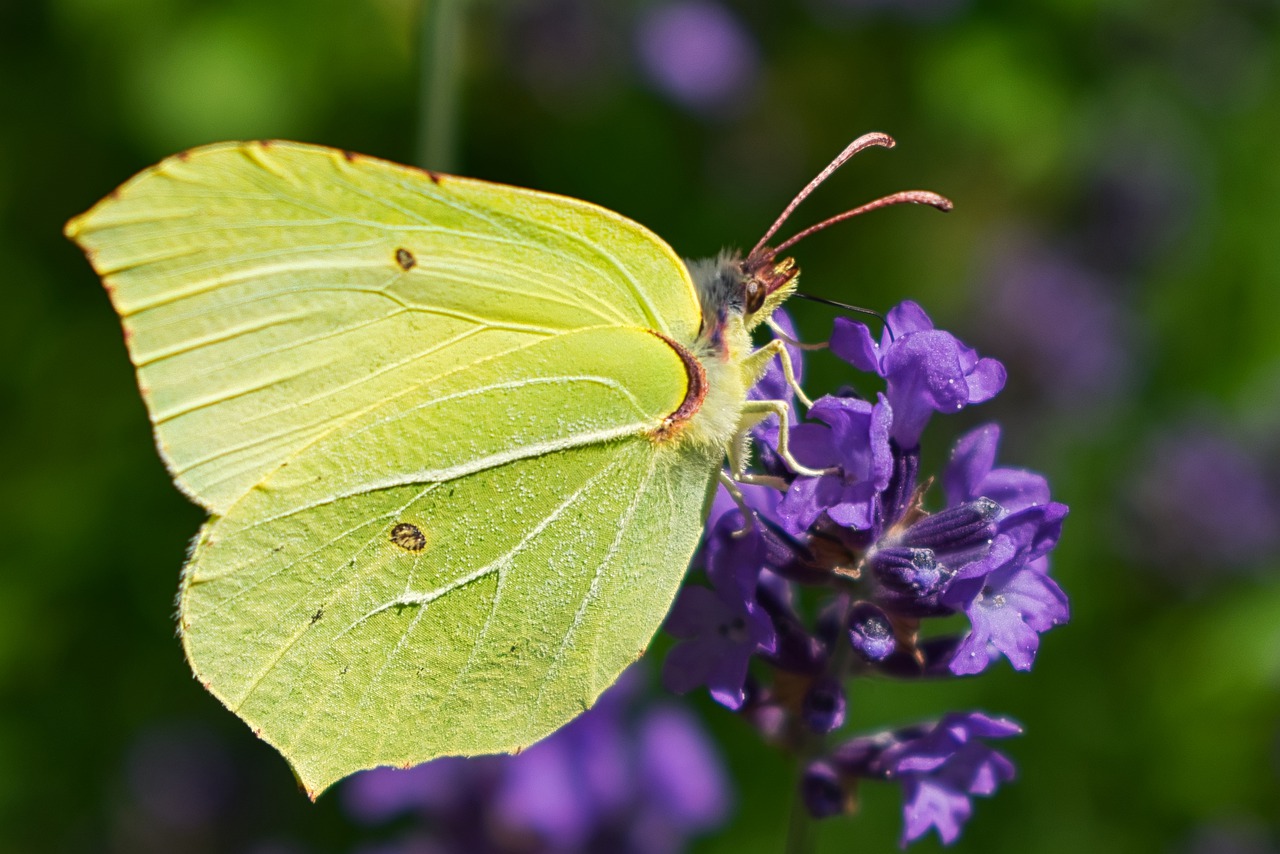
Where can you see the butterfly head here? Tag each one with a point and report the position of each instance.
(767, 281)
(740, 293)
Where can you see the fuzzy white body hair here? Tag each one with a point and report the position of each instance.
(722, 346)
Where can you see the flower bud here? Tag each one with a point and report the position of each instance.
(908, 570)
(870, 632)
(824, 705)
(822, 791)
(963, 527)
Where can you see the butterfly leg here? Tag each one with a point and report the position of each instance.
(748, 516)
(755, 411)
(758, 362)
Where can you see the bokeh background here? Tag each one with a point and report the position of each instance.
(1116, 242)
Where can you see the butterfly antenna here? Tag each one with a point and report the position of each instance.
(910, 197)
(863, 142)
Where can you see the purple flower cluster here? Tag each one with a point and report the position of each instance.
(860, 533)
(939, 767)
(619, 778)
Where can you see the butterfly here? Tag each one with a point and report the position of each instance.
(456, 439)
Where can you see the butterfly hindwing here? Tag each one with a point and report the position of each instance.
(468, 616)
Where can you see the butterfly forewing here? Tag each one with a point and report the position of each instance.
(270, 291)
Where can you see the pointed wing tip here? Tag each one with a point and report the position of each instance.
(74, 226)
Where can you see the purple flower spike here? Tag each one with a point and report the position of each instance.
(852, 438)
(926, 370)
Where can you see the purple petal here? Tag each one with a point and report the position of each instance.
(972, 459)
(907, 317)
(805, 500)
(1015, 489)
(985, 380)
(695, 608)
(815, 446)
(734, 560)
(857, 510)
(1014, 606)
(852, 342)
(927, 803)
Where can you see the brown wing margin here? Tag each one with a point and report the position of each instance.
(695, 388)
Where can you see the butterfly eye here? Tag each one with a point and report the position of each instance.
(755, 296)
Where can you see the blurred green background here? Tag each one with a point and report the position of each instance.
(1116, 241)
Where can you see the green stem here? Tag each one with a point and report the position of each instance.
(800, 824)
(440, 50)
(809, 747)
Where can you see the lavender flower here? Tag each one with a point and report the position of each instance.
(926, 370)
(1009, 597)
(861, 535)
(1061, 322)
(853, 439)
(940, 768)
(721, 626)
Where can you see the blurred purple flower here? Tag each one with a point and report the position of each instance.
(181, 776)
(926, 370)
(1242, 836)
(617, 777)
(681, 771)
(1060, 322)
(431, 787)
(698, 53)
(566, 51)
(1201, 504)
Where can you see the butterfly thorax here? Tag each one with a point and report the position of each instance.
(734, 299)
